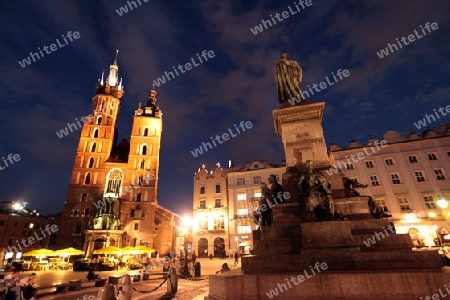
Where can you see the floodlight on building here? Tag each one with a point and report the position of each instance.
(442, 203)
(17, 206)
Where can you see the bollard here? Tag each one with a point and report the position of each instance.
(172, 281)
(124, 288)
(107, 292)
(197, 269)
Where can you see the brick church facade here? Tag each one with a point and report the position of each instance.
(112, 195)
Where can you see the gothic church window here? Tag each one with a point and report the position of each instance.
(94, 145)
(87, 180)
(145, 131)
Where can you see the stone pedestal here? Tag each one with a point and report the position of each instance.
(301, 131)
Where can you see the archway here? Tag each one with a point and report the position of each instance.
(219, 247)
(202, 247)
(99, 243)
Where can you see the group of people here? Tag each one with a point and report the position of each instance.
(14, 288)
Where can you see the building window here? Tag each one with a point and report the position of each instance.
(432, 156)
(382, 204)
(202, 204)
(350, 166)
(369, 164)
(74, 212)
(142, 166)
(429, 202)
(144, 150)
(244, 229)
(256, 179)
(136, 226)
(16, 224)
(257, 193)
(84, 197)
(413, 159)
(374, 180)
(403, 202)
(2, 223)
(240, 181)
(99, 121)
(114, 182)
(242, 196)
(138, 197)
(94, 145)
(145, 131)
(203, 224)
(95, 133)
(395, 178)
(25, 225)
(78, 229)
(132, 213)
(91, 162)
(439, 174)
(217, 188)
(419, 176)
(202, 190)
(219, 223)
(87, 180)
(86, 212)
(242, 211)
(389, 162)
(218, 203)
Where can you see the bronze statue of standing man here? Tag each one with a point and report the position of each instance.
(288, 76)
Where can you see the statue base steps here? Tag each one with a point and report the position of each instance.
(399, 285)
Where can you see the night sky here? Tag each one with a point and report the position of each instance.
(236, 85)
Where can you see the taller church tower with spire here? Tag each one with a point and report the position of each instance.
(112, 195)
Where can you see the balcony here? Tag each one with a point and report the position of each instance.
(246, 216)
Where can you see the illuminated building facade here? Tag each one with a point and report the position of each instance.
(409, 178)
(210, 213)
(244, 191)
(22, 230)
(112, 195)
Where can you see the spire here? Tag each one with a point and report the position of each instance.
(117, 54)
(103, 75)
(113, 77)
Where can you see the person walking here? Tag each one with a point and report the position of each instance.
(28, 287)
(194, 258)
(11, 282)
(236, 258)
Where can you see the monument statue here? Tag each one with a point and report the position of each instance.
(288, 76)
(263, 215)
(351, 185)
(314, 194)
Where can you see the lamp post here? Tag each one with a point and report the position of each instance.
(187, 222)
(435, 228)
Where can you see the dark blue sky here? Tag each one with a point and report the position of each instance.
(236, 85)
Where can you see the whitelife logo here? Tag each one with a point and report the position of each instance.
(285, 14)
(224, 136)
(187, 66)
(431, 118)
(411, 38)
(27, 61)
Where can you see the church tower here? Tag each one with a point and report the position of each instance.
(112, 195)
(143, 166)
(98, 136)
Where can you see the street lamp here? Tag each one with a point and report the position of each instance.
(435, 228)
(187, 223)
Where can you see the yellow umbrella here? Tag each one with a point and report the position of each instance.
(144, 249)
(131, 250)
(40, 252)
(109, 250)
(69, 251)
